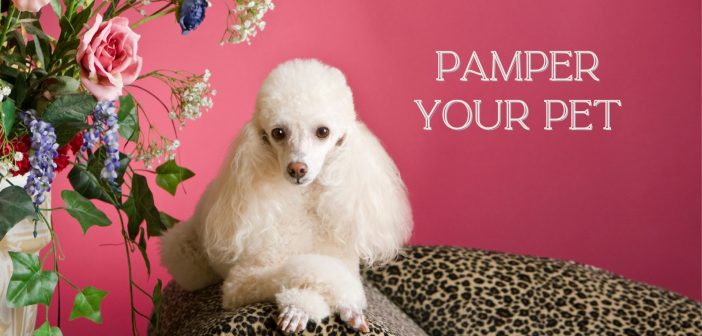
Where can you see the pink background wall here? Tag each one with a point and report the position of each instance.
(626, 200)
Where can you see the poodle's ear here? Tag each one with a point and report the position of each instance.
(366, 199)
(221, 208)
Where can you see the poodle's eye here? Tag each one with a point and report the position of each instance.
(322, 132)
(278, 133)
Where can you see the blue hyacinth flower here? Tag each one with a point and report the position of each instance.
(191, 14)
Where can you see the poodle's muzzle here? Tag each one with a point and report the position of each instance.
(297, 171)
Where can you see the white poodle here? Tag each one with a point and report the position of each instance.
(306, 194)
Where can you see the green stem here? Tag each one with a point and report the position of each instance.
(63, 67)
(8, 23)
(121, 9)
(142, 290)
(142, 314)
(156, 15)
(129, 268)
(55, 261)
(68, 282)
(98, 9)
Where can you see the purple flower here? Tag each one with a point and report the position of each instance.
(42, 166)
(105, 129)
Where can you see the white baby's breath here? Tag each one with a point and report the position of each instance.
(245, 20)
(5, 90)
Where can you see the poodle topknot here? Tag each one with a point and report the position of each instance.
(306, 194)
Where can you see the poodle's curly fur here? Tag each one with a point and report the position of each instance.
(296, 240)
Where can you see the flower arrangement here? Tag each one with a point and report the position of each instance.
(65, 102)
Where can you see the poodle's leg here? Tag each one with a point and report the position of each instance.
(304, 287)
(184, 258)
(339, 285)
(298, 306)
(246, 285)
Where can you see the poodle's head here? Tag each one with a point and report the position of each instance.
(303, 112)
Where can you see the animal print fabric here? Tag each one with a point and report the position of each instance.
(457, 291)
(201, 314)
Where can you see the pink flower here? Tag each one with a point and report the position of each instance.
(108, 58)
(30, 5)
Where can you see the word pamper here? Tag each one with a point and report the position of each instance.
(523, 66)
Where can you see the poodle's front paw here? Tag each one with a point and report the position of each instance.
(354, 318)
(292, 320)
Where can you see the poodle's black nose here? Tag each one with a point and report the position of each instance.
(297, 169)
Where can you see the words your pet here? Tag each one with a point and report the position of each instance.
(575, 113)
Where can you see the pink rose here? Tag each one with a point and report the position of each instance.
(30, 5)
(108, 58)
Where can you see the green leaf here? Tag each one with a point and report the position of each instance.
(15, 205)
(87, 184)
(15, 37)
(8, 115)
(86, 180)
(34, 27)
(169, 175)
(83, 210)
(142, 249)
(144, 204)
(156, 300)
(134, 218)
(40, 53)
(29, 284)
(72, 107)
(97, 161)
(19, 91)
(87, 304)
(168, 220)
(56, 6)
(128, 118)
(61, 85)
(82, 17)
(47, 330)
(65, 132)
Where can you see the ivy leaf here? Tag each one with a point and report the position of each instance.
(144, 205)
(97, 161)
(15, 205)
(142, 249)
(156, 300)
(169, 175)
(83, 210)
(87, 304)
(29, 284)
(87, 184)
(128, 118)
(47, 330)
(134, 218)
(72, 107)
(168, 220)
(8, 115)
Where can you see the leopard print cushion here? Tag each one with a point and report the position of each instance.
(200, 313)
(457, 291)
